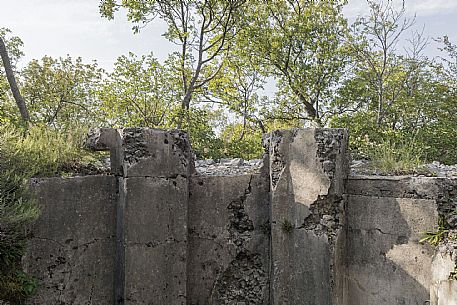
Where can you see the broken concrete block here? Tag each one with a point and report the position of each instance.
(308, 169)
(228, 240)
(154, 152)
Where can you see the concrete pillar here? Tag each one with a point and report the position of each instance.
(152, 167)
(155, 168)
(308, 169)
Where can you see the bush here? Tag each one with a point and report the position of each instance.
(23, 154)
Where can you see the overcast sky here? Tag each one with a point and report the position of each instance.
(60, 27)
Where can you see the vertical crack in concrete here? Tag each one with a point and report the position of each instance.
(245, 279)
(241, 225)
(119, 273)
(277, 162)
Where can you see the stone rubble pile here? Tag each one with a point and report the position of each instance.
(441, 170)
(227, 167)
(238, 166)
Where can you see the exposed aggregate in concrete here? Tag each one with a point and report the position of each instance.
(277, 162)
(243, 282)
(135, 147)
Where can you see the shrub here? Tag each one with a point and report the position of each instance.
(23, 154)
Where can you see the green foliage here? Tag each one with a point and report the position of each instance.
(301, 44)
(17, 287)
(14, 47)
(62, 92)
(42, 151)
(39, 151)
(434, 238)
(396, 99)
(242, 141)
(199, 125)
(391, 157)
(139, 92)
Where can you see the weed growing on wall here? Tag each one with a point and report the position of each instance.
(39, 151)
(287, 227)
(435, 237)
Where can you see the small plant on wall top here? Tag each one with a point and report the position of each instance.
(434, 237)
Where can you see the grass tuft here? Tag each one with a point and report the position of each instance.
(396, 158)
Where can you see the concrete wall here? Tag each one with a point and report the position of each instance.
(229, 251)
(298, 233)
(386, 218)
(71, 252)
(443, 290)
(307, 173)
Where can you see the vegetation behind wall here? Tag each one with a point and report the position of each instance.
(41, 151)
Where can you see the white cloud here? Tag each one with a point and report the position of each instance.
(432, 7)
(419, 7)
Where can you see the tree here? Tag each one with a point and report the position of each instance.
(301, 43)
(238, 88)
(392, 99)
(10, 76)
(449, 63)
(62, 92)
(139, 92)
(373, 41)
(203, 30)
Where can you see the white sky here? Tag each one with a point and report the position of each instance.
(60, 27)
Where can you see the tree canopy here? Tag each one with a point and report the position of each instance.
(242, 68)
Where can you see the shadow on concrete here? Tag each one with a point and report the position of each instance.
(385, 264)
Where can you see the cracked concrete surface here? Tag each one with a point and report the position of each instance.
(70, 253)
(228, 244)
(156, 233)
(307, 170)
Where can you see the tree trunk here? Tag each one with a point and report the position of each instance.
(12, 82)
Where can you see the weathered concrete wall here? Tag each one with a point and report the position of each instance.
(155, 240)
(443, 290)
(71, 253)
(386, 218)
(307, 173)
(229, 240)
(153, 204)
(299, 232)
